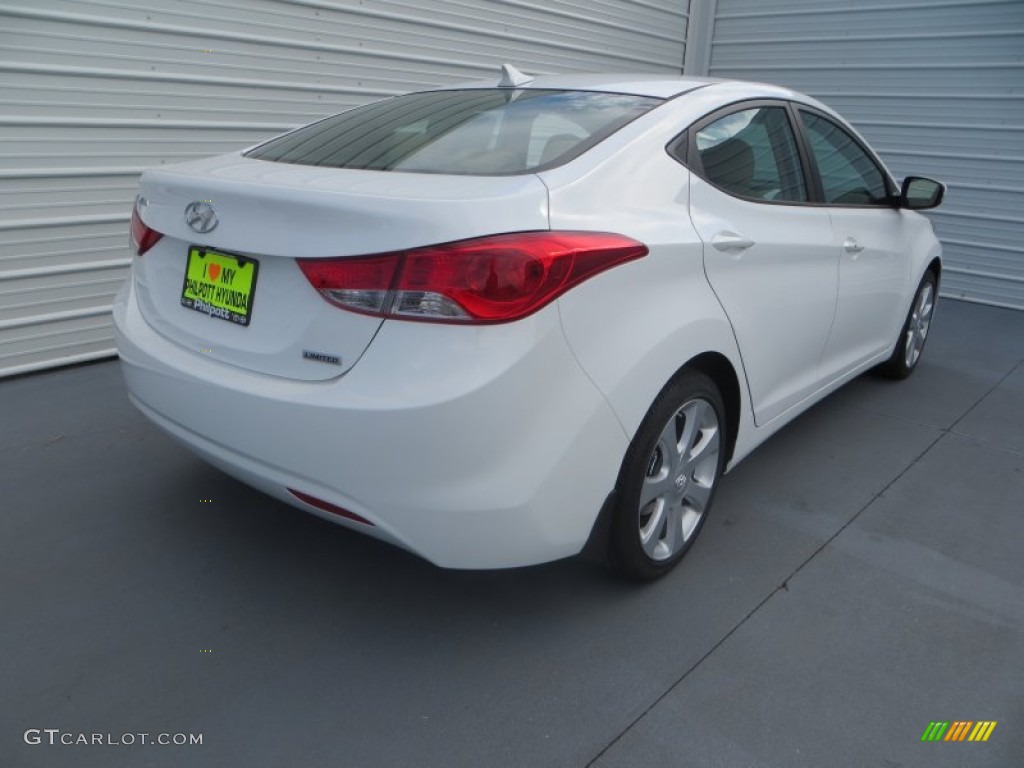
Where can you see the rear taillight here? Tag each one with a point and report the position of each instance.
(142, 238)
(485, 280)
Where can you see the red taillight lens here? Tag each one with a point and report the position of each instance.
(142, 237)
(485, 280)
(361, 284)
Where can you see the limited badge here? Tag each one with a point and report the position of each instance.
(321, 357)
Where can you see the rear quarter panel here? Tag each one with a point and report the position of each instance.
(633, 327)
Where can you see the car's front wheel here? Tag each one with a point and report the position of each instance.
(915, 331)
(668, 478)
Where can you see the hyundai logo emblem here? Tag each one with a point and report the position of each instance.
(201, 217)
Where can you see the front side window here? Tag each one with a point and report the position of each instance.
(848, 174)
(494, 131)
(753, 154)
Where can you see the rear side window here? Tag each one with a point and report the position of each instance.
(848, 174)
(473, 132)
(753, 154)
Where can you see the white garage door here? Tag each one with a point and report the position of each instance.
(937, 86)
(93, 91)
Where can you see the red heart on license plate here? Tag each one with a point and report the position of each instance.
(213, 270)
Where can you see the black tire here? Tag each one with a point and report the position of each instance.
(915, 329)
(649, 536)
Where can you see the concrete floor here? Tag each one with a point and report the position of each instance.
(861, 576)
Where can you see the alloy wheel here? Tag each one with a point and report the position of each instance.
(680, 477)
(920, 322)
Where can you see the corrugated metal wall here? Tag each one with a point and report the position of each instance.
(937, 87)
(93, 91)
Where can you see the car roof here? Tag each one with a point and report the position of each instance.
(663, 86)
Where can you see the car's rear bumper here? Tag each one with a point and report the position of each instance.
(472, 447)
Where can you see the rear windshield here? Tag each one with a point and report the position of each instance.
(473, 132)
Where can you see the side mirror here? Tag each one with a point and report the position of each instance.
(919, 193)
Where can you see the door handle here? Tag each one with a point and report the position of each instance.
(850, 245)
(730, 241)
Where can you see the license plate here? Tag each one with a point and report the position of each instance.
(219, 285)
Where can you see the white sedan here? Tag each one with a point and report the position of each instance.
(475, 321)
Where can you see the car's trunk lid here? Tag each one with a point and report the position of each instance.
(268, 215)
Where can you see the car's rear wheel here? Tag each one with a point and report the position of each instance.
(915, 331)
(668, 478)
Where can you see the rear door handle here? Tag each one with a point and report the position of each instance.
(730, 241)
(850, 245)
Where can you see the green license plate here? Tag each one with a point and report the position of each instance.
(219, 285)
